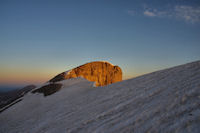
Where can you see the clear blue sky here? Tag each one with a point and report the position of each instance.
(40, 38)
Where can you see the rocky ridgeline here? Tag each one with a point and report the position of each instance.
(100, 72)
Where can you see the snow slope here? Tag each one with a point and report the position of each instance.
(163, 101)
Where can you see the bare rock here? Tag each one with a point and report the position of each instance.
(100, 72)
(48, 89)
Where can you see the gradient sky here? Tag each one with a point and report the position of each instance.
(41, 38)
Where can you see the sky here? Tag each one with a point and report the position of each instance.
(42, 38)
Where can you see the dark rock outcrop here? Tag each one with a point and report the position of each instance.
(48, 89)
(100, 72)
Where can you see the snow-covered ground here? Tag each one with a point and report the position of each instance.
(164, 101)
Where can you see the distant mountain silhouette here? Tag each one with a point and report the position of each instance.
(7, 98)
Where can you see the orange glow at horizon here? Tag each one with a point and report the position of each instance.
(25, 75)
(29, 75)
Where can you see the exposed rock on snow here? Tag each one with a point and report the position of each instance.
(48, 89)
(102, 73)
(160, 102)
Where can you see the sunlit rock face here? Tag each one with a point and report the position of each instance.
(100, 72)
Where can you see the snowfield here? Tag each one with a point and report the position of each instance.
(163, 101)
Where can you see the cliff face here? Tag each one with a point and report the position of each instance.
(102, 73)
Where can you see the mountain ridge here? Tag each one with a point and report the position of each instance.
(163, 101)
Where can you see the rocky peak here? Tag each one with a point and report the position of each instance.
(100, 72)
